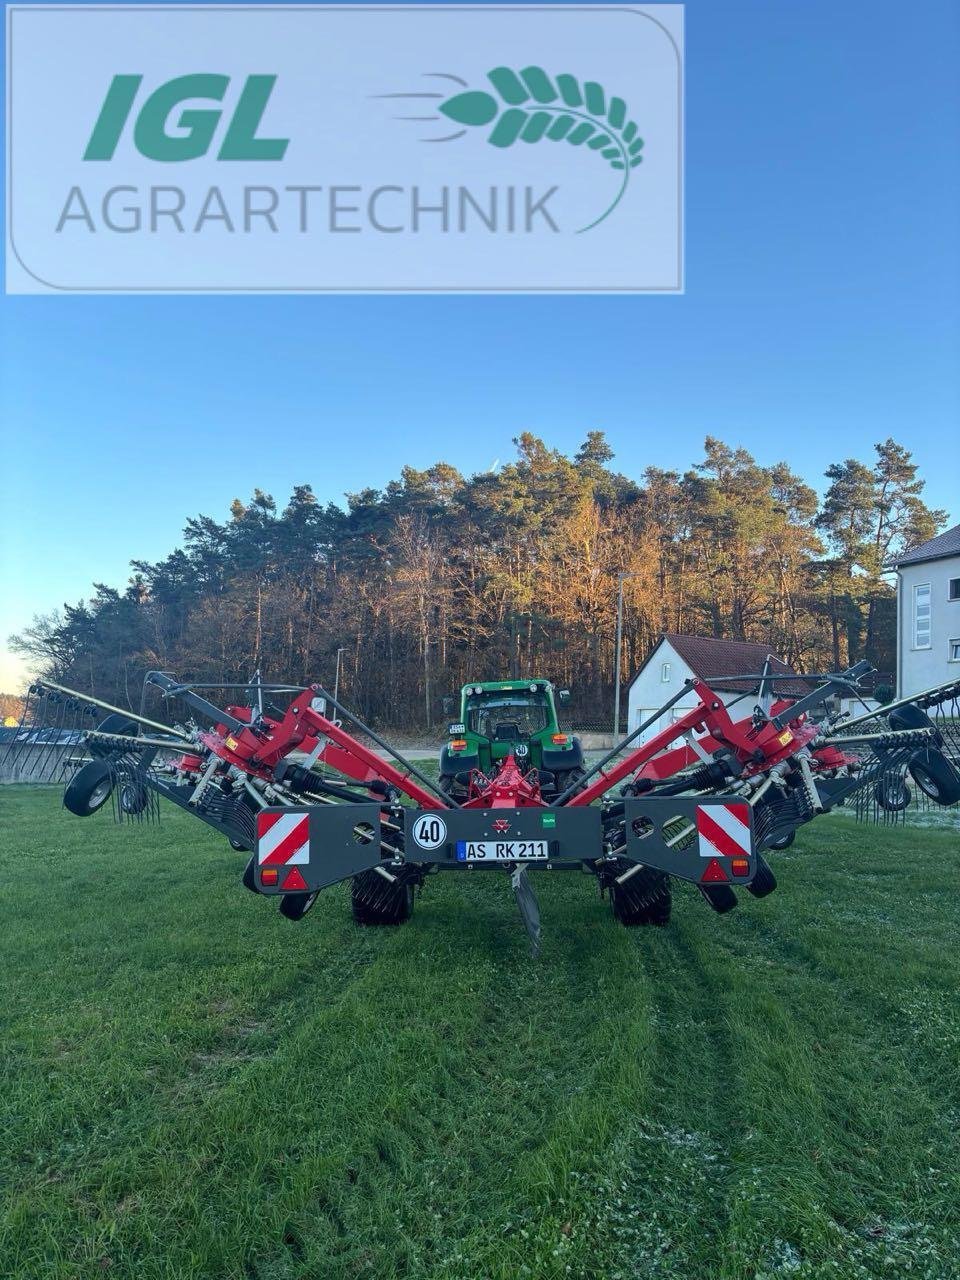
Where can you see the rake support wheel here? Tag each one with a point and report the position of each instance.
(935, 776)
(89, 789)
(764, 881)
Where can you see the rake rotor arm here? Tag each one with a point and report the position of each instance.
(710, 715)
(301, 728)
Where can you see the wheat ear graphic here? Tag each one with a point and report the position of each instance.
(528, 106)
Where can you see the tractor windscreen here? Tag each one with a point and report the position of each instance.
(528, 714)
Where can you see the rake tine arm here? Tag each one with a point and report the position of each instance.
(108, 706)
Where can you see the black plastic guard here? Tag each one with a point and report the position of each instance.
(301, 849)
(707, 840)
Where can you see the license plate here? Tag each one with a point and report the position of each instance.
(502, 850)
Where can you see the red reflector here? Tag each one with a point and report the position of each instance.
(740, 866)
(560, 739)
(459, 745)
(713, 873)
(269, 875)
(294, 880)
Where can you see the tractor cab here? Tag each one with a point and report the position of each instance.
(510, 717)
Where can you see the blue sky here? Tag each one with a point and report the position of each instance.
(822, 314)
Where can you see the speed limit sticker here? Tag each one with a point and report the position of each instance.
(430, 831)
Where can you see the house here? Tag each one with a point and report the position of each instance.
(678, 658)
(928, 614)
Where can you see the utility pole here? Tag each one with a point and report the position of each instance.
(336, 675)
(621, 578)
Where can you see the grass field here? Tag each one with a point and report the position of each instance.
(194, 1087)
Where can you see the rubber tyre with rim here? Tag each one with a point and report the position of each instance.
(935, 776)
(375, 901)
(89, 789)
(893, 799)
(643, 899)
(133, 797)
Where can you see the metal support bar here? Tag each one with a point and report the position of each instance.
(845, 680)
(612, 755)
(173, 689)
(448, 801)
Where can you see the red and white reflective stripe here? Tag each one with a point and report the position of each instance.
(283, 838)
(724, 830)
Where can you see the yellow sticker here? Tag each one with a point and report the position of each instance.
(784, 738)
(231, 744)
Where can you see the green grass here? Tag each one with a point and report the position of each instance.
(194, 1087)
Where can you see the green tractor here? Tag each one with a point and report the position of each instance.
(504, 717)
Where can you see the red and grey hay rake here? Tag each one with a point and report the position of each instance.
(702, 801)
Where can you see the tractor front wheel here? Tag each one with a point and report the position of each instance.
(375, 900)
(643, 899)
(566, 778)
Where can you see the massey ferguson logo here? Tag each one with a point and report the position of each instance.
(501, 826)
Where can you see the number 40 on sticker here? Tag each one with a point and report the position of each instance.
(429, 831)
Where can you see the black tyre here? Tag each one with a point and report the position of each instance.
(89, 789)
(294, 906)
(782, 842)
(114, 723)
(720, 896)
(375, 900)
(249, 877)
(909, 716)
(935, 776)
(451, 787)
(133, 797)
(566, 777)
(643, 899)
(893, 796)
(764, 881)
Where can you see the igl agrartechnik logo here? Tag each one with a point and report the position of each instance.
(346, 148)
(168, 126)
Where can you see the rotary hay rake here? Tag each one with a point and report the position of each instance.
(702, 800)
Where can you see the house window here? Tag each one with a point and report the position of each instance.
(955, 650)
(953, 589)
(665, 672)
(921, 616)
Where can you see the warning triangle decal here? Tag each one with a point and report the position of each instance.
(713, 873)
(294, 880)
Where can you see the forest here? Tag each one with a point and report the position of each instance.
(439, 578)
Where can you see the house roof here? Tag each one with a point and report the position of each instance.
(938, 548)
(708, 657)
